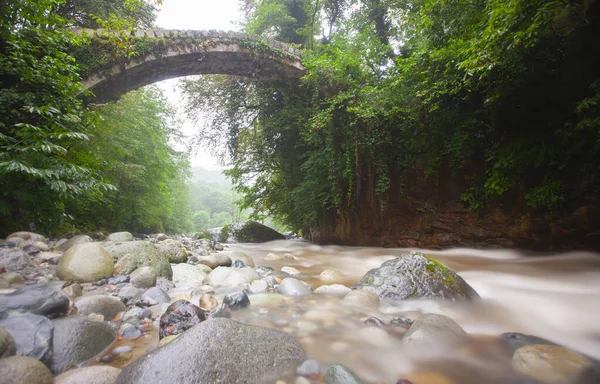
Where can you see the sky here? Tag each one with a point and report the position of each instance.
(195, 15)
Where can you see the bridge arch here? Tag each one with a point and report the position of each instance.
(185, 53)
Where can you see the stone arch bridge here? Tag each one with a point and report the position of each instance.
(166, 54)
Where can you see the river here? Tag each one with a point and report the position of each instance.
(554, 296)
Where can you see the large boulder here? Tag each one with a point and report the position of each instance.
(173, 251)
(231, 277)
(24, 370)
(85, 263)
(248, 232)
(414, 276)
(32, 334)
(435, 331)
(78, 239)
(77, 339)
(218, 350)
(134, 254)
(41, 299)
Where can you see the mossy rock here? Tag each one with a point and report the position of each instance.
(414, 276)
(248, 232)
(134, 254)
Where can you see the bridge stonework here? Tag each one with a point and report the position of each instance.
(185, 53)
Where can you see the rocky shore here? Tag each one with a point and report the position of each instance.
(104, 309)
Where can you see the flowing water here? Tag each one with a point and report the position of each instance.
(554, 296)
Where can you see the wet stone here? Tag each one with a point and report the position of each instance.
(30, 250)
(222, 311)
(24, 370)
(338, 374)
(514, 340)
(337, 290)
(7, 343)
(154, 296)
(238, 264)
(131, 333)
(179, 317)
(96, 374)
(404, 322)
(73, 290)
(118, 280)
(41, 299)
(263, 270)
(13, 278)
(309, 368)
(224, 260)
(237, 300)
(373, 321)
(32, 334)
(107, 306)
(293, 287)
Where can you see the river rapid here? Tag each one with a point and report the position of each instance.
(554, 296)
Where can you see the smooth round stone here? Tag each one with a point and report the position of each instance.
(188, 273)
(549, 364)
(273, 256)
(258, 286)
(78, 339)
(237, 300)
(208, 302)
(290, 270)
(30, 333)
(231, 277)
(143, 277)
(435, 331)
(366, 300)
(134, 254)
(173, 251)
(211, 261)
(219, 247)
(120, 236)
(155, 295)
(13, 278)
(96, 374)
(204, 268)
(224, 260)
(42, 246)
(337, 290)
(24, 370)
(338, 374)
(243, 256)
(129, 292)
(85, 263)
(331, 275)
(293, 287)
(7, 344)
(107, 306)
(31, 236)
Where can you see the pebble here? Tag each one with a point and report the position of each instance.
(258, 286)
(290, 270)
(293, 287)
(331, 275)
(131, 333)
(337, 290)
(238, 264)
(263, 270)
(237, 300)
(122, 350)
(338, 374)
(308, 368)
(208, 302)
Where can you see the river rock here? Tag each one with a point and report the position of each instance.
(290, 271)
(255, 355)
(179, 317)
(13, 277)
(7, 343)
(49, 257)
(154, 295)
(293, 287)
(78, 239)
(210, 261)
(331, 275)
(143, 277)
(433, 330)
(173, 251)
(224, 260)
(263, 270)
(96, 374)
(24, 370)
(338, 290)
(338, 374)
(77, 339)
(249, 232)
(41, 246)
(238, 264)
(85, 263)
(107, 306)
(32, 334)
(243, 256)
(132, 255)
(188, 272)
(258, 286)
(231, 277)
(120, 236)
(14, 259)
(514, 340)
(237, 300)
(208, 302)
(27, 236)
(550, 364)
(44, 299)
(415, 276)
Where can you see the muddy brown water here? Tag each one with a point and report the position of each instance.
(554, 296)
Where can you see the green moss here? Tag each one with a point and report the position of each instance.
(435, 265)
(224, 234)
